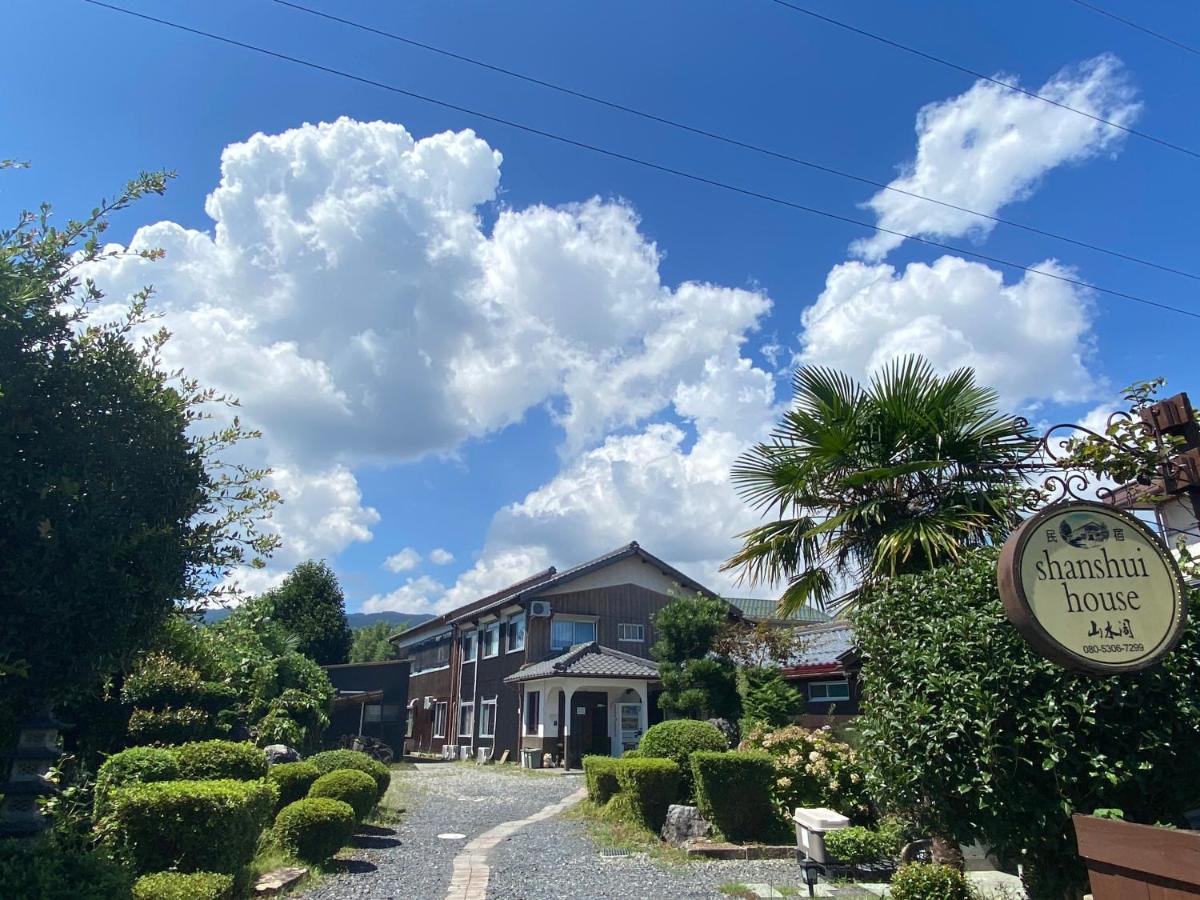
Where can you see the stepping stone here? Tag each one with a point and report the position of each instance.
(277, 880)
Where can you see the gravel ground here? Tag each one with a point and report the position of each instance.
(556, 860)
(413, 863)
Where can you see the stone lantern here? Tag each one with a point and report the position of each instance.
(36, 751)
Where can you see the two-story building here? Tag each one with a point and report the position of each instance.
(557, 663)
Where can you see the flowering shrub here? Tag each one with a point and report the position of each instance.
(812, 768)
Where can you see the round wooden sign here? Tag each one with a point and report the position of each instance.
(1091, 587)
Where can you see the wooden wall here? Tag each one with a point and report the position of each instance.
(628, 603)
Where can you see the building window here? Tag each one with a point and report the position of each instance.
(468, 647)
(491, 639)
(439, 720)
(533, 711)
(487, 718)
(568, 632)
(466, 722)
(627, 631)
(828, 691)
(387, 712)
(428, 658)
(516, 632)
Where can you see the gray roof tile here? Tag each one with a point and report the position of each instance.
(588, 660)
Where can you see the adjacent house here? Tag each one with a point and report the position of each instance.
(557, 663)
(826, 670)
(371, 699)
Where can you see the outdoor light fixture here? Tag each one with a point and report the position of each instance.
(812, 869)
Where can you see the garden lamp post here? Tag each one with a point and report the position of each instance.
(811, 870)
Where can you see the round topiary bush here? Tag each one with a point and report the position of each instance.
(926, 881)
(315, 828)
(350, 786)
(677, 740)
(204, 760)
(859, 846)
(293, 780)
(137, 765)
(183, 886)
(169, 726)
(331, 760)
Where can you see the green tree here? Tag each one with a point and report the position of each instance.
(310, 605)
(696, 683)
(371, 643)
(115, 506)
(766, 697)
(864, 482)
(973, 735)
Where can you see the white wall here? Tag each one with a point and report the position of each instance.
(626, 571)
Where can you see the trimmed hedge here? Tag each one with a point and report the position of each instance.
(677, 740)
(331, 760)
(137, 765)
(858, 846)
(204, 760)
(44, 870)
(293, 780)
(927, 881)
(733, 791)
(350, 786)
(651, 785)
(169, 726)
(192, 826)
(314, 829)
(183, 886)
(600, 773)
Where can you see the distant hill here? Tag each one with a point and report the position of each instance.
(354, 620)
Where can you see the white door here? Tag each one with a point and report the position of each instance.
(629, 724)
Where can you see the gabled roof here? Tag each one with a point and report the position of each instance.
(823, 647)
(588, 661)
(765, 609)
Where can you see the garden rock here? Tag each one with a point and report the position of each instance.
(684, 823)
(281, 753)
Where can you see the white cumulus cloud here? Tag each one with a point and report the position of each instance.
(404, 561)
(440, 556)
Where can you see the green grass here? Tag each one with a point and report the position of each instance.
(608, 830)
(736, 889)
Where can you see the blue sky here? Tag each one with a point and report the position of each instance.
(387, 470)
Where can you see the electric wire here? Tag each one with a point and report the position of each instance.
(1134, 25)
(974, 74)
(658, 167)
(732, 141)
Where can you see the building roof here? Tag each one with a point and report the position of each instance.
(588, 661)
(356, 698)
(823, 649)
(765, 609)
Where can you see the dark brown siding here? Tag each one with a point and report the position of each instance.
(629, 603)
(435, 683)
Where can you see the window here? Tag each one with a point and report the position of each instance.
(487, 718)
(491, 639)
(568, 632)
(533, 711)
(466, 721)
(372, 712)
(468, 647)
(629, 632)
(428, 658)
(829, 691)
(516, 632)
(439, 720)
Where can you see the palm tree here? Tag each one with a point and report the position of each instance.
(864, 482)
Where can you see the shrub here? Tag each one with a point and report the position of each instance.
(600, 773)
(169, 726)
(47, 871)
(858, 846)
(926, 881)
(350, 786)
(137, 765)
(352, 759)
(192, 826)
(733, 791)
(314, 829)
(651, 785)
(183, 886)
(293, 780)
(161, 682)
(632, 754)
(677, 740)
(813, 768)
(203, 760)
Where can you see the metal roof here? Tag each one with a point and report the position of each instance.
(767, 609)
(588, 660)
(823, 645)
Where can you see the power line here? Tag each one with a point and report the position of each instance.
(974, 74)
(658, 167)
(1134, 25)
(726, 139)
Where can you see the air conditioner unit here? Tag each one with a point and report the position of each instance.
(539, 609)
(464, 752)
(450, 751)
(428, 703)
(483, 755)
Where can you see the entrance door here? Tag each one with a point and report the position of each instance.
(589, 726)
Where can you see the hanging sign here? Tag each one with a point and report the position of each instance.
(1092, 588)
